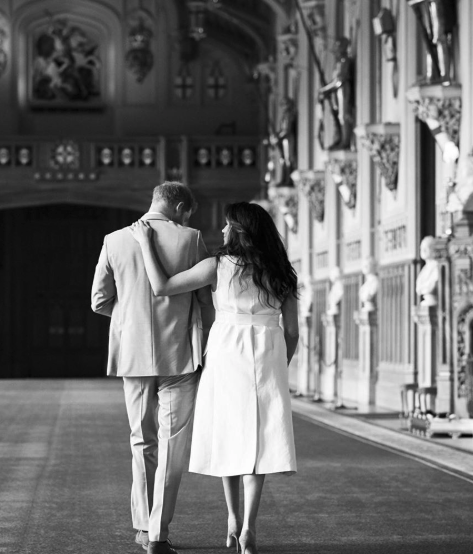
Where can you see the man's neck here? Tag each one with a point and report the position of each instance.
(160, 209)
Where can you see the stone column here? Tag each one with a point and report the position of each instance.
(368, 323)
(426, 319)
(329, 374)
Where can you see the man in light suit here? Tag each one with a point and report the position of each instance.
(150, 346)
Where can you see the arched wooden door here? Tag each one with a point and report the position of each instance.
(48, 257)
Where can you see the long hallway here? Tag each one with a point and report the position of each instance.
(65, 480)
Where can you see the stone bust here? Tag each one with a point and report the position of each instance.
(369, 288)
(426, 283)
(336, 292)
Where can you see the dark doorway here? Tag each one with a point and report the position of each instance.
(427, 183)
(47, 262)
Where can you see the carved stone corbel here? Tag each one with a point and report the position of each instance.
(312, 184)
(288, 47)
(287, 201)
(382, 140)
(439, 106)
(268, 71)
(343, 166)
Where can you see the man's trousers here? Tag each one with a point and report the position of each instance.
(159, 457)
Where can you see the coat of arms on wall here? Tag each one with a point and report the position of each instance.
(139, 58)
(65, 66)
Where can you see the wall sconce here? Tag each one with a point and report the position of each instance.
(384, 26)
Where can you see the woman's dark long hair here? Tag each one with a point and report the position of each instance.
(256, 243)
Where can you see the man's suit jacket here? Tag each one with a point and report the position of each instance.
(149, 335)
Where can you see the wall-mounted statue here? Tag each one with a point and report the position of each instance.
(438, 19)
(426, 283)
(282, 146)
(336, 292)
(369, 289)
(287, 134)
(340, 95)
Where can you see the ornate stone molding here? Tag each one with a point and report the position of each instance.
(286, 199)
(463, 349)
(343, 167)
(312, 184)
(382, 140)
(439, 106)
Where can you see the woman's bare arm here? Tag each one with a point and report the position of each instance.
(201, 275)
(291, 325)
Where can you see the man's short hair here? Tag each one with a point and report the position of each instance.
(173, 192)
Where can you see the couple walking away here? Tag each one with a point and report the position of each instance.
(241, 411)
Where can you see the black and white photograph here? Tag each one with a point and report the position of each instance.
(236, 276)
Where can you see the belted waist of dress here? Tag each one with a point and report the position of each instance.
(247, 319)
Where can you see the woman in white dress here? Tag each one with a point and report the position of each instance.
(243, 421)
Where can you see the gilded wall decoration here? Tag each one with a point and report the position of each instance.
(65, 66)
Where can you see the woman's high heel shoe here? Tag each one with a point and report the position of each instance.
(232, 541)
(248, 542)
(233, 535)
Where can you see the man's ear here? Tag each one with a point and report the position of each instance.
(179, 207)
